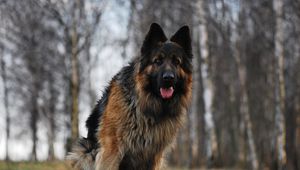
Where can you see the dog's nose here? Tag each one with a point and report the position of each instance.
(168, 76)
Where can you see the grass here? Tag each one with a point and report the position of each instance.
(58, 165)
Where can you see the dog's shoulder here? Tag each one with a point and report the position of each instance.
(92, 123)
(125, 79)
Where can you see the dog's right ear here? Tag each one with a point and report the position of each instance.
(183, 38)
(154, 36)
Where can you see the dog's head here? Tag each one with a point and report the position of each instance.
(166, 63)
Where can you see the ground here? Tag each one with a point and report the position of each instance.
(57, 165)
(34, 166)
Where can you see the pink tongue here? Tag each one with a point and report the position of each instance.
(166, 92)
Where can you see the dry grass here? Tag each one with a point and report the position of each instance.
(58, 165)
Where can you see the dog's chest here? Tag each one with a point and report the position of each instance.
(147, 137)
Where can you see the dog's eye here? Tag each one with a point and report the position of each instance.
(158, 61)
(177, 61)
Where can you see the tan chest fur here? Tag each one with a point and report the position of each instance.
(142, 134)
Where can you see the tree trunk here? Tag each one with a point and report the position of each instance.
(91, 92)
(297, 137)
(291, 148)
(280, 85)
(5, 92)
(126, 42)
(51, 137)
(198, 111)
(74, 75)
(208, 89)
(244, 110)
(246, 129)
(33, 126)
(245, 125)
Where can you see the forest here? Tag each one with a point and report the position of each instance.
(57, 56)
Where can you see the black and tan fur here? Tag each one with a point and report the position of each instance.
(136, 119)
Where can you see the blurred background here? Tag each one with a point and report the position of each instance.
(57, 56)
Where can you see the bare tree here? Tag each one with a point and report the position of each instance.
(6, 104)
(280, 84)
(204, 108)
(74, 72)
(244, 109)
(79, 25)
(27, 46)
(34, 41)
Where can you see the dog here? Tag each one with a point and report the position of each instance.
(141, 109)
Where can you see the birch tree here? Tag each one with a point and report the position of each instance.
(244, 107)
(280, 84)
(5, 99)
(79, 25)
(208, 92)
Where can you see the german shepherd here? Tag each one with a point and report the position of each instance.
(142, 109)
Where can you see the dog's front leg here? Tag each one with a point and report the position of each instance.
(158, 161)
(109, 158)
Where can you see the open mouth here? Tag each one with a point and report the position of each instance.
(166, 93)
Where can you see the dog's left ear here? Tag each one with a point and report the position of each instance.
(154, 36)
(183, 38)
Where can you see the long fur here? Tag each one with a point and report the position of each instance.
(132, 125)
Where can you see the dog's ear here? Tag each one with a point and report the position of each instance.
(183, 38)
(154, 36)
